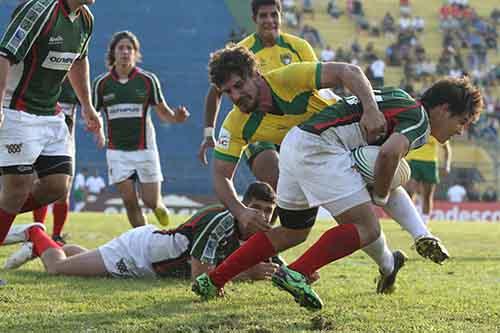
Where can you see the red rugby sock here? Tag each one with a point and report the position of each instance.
(60, 212)
(6, 220)
(41, 241)
(40, 214)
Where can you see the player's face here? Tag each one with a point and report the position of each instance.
(242, 92)
(125, 53)
(266, 208)
(268, 21)
(445, 125)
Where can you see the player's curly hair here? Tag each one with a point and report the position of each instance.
(459, 93)
(256, 4)
(117, 37)
(259, 191)
(232, 59)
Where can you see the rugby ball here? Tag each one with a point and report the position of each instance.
(364, 161)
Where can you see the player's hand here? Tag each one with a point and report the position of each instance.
(181, 113)
(92, 119)
(253, 220)
(207, 143)
(262, 271)
(100, 139)
(373, 125)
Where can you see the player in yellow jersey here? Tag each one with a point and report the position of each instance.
(424, 163)
(273, 49)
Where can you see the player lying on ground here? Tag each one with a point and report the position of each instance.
(196, 246)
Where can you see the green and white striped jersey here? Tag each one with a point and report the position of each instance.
(126, 106)
(402, 113)
(42, 41)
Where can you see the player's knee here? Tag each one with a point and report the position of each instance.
(368, 232)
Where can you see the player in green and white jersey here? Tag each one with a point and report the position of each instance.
(45, 42)
(316, 166)
(125, 95)
(195, 247)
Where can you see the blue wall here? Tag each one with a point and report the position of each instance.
(176, 39)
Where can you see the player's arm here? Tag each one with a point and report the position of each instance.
(391, 152)
(4, 73)
(352, 77)
(79, 76)
(224, 188)
(166, 114)
(198, 267)
(212, 106)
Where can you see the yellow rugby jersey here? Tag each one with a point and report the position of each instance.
(428, 152)
(294, 95)
(287, 50)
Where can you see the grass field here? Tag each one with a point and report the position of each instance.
(460, 296)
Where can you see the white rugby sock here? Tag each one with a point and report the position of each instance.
(381, 254)
(403, 211)
(425, 218)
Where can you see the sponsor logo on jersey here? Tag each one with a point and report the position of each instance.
(286, 58)
(124, 111)
(108, 97)
(56, 40)
(224, 139)
(59, 61)
(14, 148)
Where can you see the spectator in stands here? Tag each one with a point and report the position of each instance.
(404, 7)
(472, 192)
(333, 10)
(327, 54)
(388, 24)
(495, 16)
(418, 23)
(95, 184)
(405, 23)
(456, 193)
(289, 5)
(377, 70)
(308, 8)
(490, 195)
(80, 190)
(311, 34)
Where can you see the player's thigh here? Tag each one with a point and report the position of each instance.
(150, 193)
(148, 166)
(127, 190)
(428, 190)
(84, 264)
(15, 188)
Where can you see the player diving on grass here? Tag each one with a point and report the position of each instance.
(195, 247)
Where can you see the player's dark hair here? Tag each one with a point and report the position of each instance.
(459, 93)
(259, 191)
(256, 4)
(117, 37)
(232, 59)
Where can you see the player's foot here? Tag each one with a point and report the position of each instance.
(296, 284)
(203, 287)
(59, 240)
(162, 215)
(20, 257)
(386, 283)
(19, 233)
(430, 247)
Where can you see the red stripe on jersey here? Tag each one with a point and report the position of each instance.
(338, 121)
(142, 143)
(20, 104)
(202, 215)
(50, 24)
(390, 114)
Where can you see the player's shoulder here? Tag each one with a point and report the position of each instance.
(248, 41)
(235, 118)
(87, 15)
(293, 40)
(146, 74)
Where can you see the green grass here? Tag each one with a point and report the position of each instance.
(460, 296)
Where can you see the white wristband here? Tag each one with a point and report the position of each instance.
(208, 132)
(380, 201)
